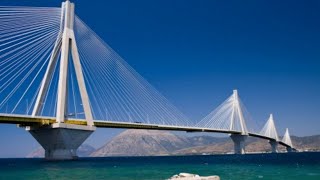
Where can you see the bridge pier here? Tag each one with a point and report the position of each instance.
(239, 143)
(61, 140)
(274, 146)
(289, 149)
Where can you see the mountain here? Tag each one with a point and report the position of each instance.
(152, 142)
(224, 145)
(142, 143)
(84, 151)
(307, 143)
(206, 140)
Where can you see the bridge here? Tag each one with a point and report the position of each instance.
(61, 81)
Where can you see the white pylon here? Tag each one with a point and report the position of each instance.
(286, 138)
(66, 41)
(269, 129)
(237, 114)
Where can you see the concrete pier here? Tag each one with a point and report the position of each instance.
(274, 146)
(60, 140)
(239, 143)
(289, 149)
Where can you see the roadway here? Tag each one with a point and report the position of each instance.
(27, 120)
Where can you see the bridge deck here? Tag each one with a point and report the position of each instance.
(30, 121)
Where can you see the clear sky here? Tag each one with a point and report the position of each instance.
(196, 52)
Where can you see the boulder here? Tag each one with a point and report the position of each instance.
(188, 176)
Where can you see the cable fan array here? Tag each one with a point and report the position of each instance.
(269, 129)
(286, 138)
(117, 92)
(230, 115)
(27, 36)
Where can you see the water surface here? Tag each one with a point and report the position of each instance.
(251, 166)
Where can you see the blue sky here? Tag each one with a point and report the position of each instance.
(196, 52)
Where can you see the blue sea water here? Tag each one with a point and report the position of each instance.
(288, 166)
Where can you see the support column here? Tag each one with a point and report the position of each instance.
(274, 146)
(239, 143)
(63, 71)
(60, 140)
(289, 149)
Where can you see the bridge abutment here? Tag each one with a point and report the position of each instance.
(61, 140)
(274, 146)
(239, 143)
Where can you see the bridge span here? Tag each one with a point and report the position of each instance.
(53, 64)
(29, 121)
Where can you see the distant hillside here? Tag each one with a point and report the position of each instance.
(142, 143)
(84, 151)
(153, 143)
(150, 142)
(307, 143)
(224, 145)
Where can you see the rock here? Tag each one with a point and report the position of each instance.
(188, 176)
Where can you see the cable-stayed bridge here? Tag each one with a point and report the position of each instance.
(60, 80)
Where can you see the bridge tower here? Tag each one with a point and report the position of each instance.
(61, 140)
(287, 140)
(237, 115)
(269, 130)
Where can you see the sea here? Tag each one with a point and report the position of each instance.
(282, 166)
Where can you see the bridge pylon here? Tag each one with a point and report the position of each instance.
(287, 140)
(237, 115)
(239, 143)
(269, 130)
(61, 140)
